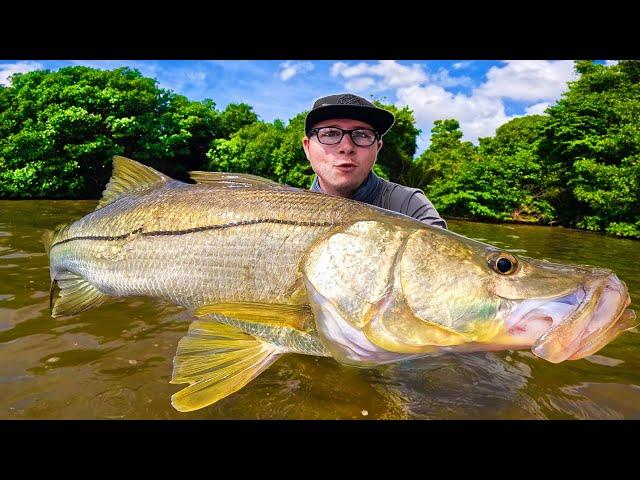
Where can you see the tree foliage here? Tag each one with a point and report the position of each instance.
(271, 150)
(444, 156)
(497, 181)
(59, 130)
(503, 188)
(592, 144)
(395, 160)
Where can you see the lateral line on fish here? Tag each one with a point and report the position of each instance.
(195, 230)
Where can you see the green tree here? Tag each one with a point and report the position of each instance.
(592, 144)
(444, 156)
(521, 133)
(496, 188)
(234, 117)
(271, 150)
(59, 130)
(501, 180)
(395, 160)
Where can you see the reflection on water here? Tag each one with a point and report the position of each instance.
(115, 362)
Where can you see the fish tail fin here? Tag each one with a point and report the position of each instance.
(216, 360)
(76, 295)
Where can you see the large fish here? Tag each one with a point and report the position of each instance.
(270, 269)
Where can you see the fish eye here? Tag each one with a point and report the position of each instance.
(503, 263)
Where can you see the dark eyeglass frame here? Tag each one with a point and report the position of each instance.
(376, 136)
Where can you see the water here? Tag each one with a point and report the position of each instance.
(115, 362)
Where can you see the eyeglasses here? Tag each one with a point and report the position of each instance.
(363, 137)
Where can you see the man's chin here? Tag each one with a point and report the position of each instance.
(340, 186)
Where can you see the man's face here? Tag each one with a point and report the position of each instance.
(342, 167)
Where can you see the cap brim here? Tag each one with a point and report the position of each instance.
(381, 120)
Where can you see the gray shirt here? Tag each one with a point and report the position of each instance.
(409, 201)
(398, 198)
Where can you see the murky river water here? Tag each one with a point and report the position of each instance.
(115, 362)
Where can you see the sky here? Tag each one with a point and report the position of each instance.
(480, 94)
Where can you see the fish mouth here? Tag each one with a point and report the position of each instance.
(576, 325)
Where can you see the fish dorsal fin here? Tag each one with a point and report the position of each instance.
(235, 180)
(129, 177)
(216, 360)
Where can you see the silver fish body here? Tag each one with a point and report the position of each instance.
(288, 270)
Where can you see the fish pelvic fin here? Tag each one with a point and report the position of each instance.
(216, 360)
(76, 295)
(129, 177)
(277, 315)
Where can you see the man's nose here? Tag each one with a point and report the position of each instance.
(346, 144)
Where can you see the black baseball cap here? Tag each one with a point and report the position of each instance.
(347, 105)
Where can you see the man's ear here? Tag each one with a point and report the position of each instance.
(379, 145)
(305, 146)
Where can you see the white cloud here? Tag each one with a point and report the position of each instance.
(288, 70)
(611, 63)
(528, 80)
(390, 73)
(343, 69)
(537, 109)
(360, 84)
(479, 116)
(337, 68)
(537, 83)
(443, 79)
(197, 78)
(461, 65)
(8, 69)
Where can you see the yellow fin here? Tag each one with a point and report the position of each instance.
(76, 295)
(128, 177)
(235, 180)
(266, 313)
(216, 360)
(47, 240)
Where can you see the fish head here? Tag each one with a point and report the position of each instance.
(382, 293)
(563, 312)
(473, 296)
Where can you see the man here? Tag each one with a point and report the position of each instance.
(343, 135)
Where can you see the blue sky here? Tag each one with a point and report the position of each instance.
(480, 94)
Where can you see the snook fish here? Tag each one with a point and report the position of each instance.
(269, 269)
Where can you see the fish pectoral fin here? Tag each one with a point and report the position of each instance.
(76, 295)
(274, 314)
(128, 177)
(216, 360)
